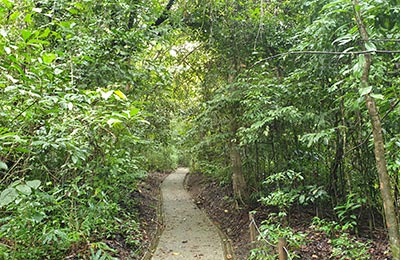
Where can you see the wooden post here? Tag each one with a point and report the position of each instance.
(253, 236)
(281, 249)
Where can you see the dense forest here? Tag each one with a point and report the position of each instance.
(292, 104)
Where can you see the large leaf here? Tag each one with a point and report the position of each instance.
(3, 166)
(26, 34)
(33, 184)
(365, 91)
(24, 189)
(359, 66)
(112, 121)
(48, 57)
(7, 196)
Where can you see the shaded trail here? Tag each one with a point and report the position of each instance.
(188, 234)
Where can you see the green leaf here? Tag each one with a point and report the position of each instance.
(26, 34)
(359, 66)
(28, 17)
(33, 184)
(370, 46)
(7, 196)
(45, 33)
(48, 57)
(365, 91)
(258, 124)
(377, 96)
(38, 217)
(113, 121)
(9, 4)
(134, 111)
(334, 4)
(3, 166)
(25, 189)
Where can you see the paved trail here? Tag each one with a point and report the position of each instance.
(188, 234)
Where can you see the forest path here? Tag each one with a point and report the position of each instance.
(188, 233)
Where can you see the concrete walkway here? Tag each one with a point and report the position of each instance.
(188, 233)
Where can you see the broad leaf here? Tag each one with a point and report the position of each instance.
(365, 91)
(3, 166)
(7, 196)
(113, 121)
(33, 184)
(48, 57)
(377, 96)
(26, 34)
(24, 189)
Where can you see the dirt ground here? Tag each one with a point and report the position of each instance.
(148, 196)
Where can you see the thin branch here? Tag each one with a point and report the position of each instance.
(370, 133)
(328, 53)
(191, 52)
(261, 24)
(165, 15)
(384, 40)
(23, 111)
(392, 107)
(9, 172)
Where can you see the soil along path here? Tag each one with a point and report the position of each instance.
(188, 233)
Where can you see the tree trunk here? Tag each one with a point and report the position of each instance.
(379, 148)
(238, 181)
(239, 184)
(384, 179)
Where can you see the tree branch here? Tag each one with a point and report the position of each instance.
(164, 16)
(328, 53)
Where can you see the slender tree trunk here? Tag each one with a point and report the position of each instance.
(239, 184)
(379, 148)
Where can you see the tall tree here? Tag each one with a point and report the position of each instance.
(379, 147)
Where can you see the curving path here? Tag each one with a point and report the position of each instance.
(188, 233)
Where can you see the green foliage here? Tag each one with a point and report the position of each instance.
(63, 216)
(347, 211)
(269, 237)
(102, 252)
(16, 190)
(343, 245)
(162, 158)
(280, 83)
(93, 96)
(284, 194)
(81, 96)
